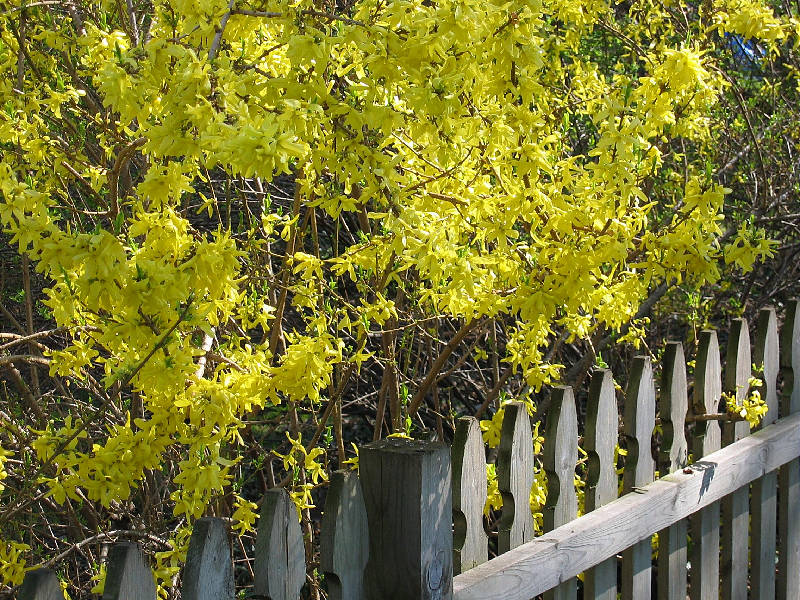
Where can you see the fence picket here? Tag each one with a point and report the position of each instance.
(40, 584)
(280, 563)
(392, 539)
(789, 476)
(673, 404)
(560, 454)
(765, 489)
(344, 538)
(735, 508)
(407, 494)
(515, 463)
(470, 544)
(208, 574)
(600, 583)
(128, 576)
(704, 525)
(639, 420)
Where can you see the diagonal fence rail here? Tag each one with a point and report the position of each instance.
(413, 516)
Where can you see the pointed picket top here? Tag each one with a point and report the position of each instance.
(765, 490)
(280, 562)
(640, 418)
(560, 455)
(344, 538)
(672, 410)
(639, 421)
(128, 576)
(208, 574)
(738, 369)
(766, 354)
(704, 525)
(735, 507)
(600, 582)
(41, 584)
(790, 359)
(707, 393)
(788, 581)
(673, 456)
(601, 439)
(470, 544)
(515, 464)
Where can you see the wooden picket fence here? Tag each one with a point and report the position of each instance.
(728, 522)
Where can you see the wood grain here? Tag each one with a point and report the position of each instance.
(407, 494)
(40, 584)
(788, 583)
(546, 561)
(344, 538)
(765, 490)
(600, 583)
(515, 474)
(470, 543)
(560, 454)
(280, 562)
(704, 525)
(734, 535)
(208, 574)
(128, 576)
(673, 456)
(639, 421)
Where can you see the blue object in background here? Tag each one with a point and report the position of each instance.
(748, 55)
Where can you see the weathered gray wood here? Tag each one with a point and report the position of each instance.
(766, 354)
(639, 421)
(128, 576)
(704, 525)
(560, 454)
(765, 490)
(515, 474)
(546, 561)
(470, 543)
(735, 508)
(600, 583)
(344, 538)
(280, 562)
(673, 456)
(407, 493)
(788, 583)
(208, 574)
(41, 584)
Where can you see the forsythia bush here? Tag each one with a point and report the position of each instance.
(540, 162)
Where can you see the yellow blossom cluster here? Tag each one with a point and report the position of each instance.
(495, 168)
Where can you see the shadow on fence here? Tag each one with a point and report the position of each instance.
(413, 517)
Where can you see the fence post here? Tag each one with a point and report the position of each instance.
(515, 476)
(208, 574)
(280, 562)
(735, 507)
(344, 538)
(560, 455)
(407, 494)
(704, 524)
(640, 418)
(128, 577)
(789, 475)
(470, 545)
(765, 490)
(673, 456)
(41, 584)
(601, 484)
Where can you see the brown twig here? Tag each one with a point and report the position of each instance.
(113, 176)
(440, 361)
